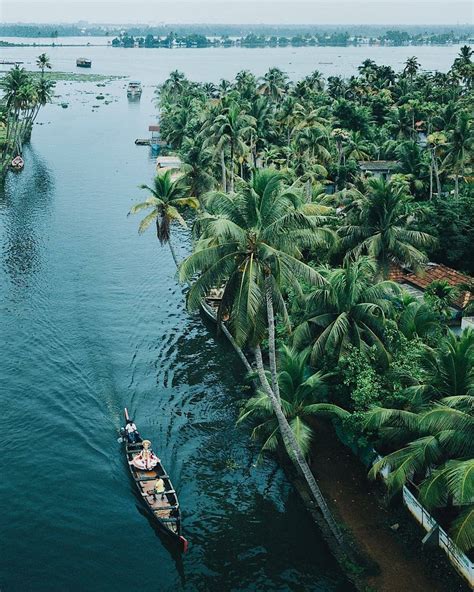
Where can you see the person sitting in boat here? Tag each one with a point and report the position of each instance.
(146, 459)
(159, 488)
(132, 433)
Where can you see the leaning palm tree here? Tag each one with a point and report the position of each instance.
(251, 242)
(381, 227)
(299, 392)
(349, 310)
(166, 199)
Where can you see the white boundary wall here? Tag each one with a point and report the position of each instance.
(460, 561)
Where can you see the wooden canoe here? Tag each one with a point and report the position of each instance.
(164, 508)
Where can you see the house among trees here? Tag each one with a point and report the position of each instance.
(456, 288)
(382, 169)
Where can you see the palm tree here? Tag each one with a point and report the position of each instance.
(166, 199)
(262, 112)
(197, 166)
(436, 142)
(463, 66)
(411, 68)
(43, 62)
(459, 147)
(417, 319)
(175, 84)
(447, 369)
(250, 242)
(434, 447)
(246, 84)
(440, 295)
(299, 391)
(381, 227)
(412, 164)
(274, 84)
(229, 130)
(358, 147)
(349, 310)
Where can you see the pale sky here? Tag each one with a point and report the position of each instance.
(442, 12)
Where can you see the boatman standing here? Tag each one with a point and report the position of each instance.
(132, 432)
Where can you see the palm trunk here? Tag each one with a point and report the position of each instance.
(456, 185)
(173, 253)
(288, 142)
(238, 350)
(436, 172)
(294, 451)
(308, 190)
(224, 174)
(232, 168)
(431, 182)
(271, 337)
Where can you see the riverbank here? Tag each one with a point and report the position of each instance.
(385, 534)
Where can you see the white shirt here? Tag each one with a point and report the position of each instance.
(130, 428)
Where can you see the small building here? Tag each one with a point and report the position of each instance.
(416, 284)
(382, 169)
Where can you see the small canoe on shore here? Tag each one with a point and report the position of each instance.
(17, 163)
(162, 506)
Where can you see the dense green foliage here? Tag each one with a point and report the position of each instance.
(23, 95)
(300, 240)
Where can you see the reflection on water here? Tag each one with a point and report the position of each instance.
(101, 324)
(25, 201)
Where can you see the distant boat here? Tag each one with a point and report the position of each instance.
(83, 63)
(134, 89)
(17, 163)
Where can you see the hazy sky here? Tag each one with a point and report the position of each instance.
(243, 11)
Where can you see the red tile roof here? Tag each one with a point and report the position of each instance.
(431, 273)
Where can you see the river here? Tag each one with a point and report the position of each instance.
(92, 320)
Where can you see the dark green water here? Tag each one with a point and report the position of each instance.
(92, 320)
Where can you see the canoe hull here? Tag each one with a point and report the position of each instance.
(163, 508)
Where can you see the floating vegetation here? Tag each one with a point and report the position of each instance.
(73, 77)
(100, 97)
(64, 105)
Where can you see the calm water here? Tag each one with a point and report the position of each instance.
(92, 320)
(153, 65)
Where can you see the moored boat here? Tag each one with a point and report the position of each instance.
(83, 63)
(134, 89)
(210, 304)
(17, 163)
(155, 488)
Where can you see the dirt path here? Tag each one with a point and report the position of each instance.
(404, 567)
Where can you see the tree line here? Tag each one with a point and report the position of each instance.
(23, 95)
(300, 244)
